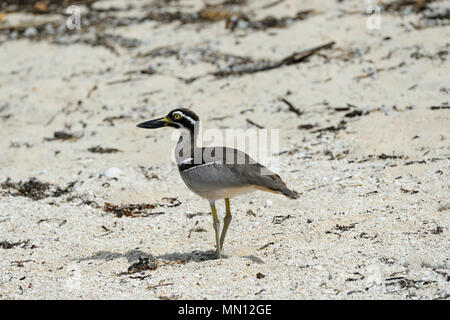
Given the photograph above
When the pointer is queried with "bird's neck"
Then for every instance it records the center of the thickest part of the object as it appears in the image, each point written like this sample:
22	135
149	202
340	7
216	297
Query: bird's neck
186	145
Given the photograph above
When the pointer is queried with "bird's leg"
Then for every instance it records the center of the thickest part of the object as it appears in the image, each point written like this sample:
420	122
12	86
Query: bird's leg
226	221
216	225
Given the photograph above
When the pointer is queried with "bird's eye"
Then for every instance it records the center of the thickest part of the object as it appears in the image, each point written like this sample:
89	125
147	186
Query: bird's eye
176	116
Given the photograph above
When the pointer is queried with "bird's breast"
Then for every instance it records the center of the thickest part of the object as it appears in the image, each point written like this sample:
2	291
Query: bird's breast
213	181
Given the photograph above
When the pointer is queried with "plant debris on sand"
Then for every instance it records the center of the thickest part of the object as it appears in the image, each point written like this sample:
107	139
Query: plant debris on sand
144	263
265	65
100	149
140	209
21	244
35	189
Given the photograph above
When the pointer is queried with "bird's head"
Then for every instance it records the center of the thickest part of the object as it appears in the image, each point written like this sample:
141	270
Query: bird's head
180	118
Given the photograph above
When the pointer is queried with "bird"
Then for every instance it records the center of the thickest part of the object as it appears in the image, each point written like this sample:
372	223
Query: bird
216	173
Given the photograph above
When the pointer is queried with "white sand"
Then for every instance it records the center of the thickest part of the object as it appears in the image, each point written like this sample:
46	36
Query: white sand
396	244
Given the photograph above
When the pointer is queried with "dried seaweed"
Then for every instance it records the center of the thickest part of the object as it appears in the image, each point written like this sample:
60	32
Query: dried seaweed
204	15
111	120
340	109
21	244
192	215
280	219
64	136
341	126
131	210
444	207
140	210
384	156
84	201
437	230
306	126
265	65
206	55
443	14
100	149
344	228
356	113
430	15
405	283
405	6
147	172
171	202
144	263
243	21
108	41
35	189
338	229
42	7
361	277
440	107
222	12
227	64
408	191
414	162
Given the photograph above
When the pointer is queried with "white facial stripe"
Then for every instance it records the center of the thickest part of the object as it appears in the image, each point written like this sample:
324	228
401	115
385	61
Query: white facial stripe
185	116
190	120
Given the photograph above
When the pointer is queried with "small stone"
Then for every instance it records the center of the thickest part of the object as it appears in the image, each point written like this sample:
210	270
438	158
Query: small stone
259	275
30	32
112	173
49	29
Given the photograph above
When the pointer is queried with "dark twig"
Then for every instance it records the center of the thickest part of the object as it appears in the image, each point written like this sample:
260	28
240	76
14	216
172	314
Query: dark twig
254	124
292	108
261	66
272	4
266	245
162	283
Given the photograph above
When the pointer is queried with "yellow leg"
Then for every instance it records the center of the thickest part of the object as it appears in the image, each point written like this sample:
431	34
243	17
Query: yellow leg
216	225
226	222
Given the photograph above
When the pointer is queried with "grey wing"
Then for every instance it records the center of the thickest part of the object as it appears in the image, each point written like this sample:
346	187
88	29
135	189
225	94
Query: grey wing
253	173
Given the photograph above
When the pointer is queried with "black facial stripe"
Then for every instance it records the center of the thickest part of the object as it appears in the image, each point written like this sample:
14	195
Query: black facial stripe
174	124
186	123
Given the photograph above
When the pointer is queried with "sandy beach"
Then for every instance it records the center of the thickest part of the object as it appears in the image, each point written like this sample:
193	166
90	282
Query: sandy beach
92	207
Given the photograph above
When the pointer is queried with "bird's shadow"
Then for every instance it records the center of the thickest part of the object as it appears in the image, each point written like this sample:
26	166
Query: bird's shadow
134	255
196	256
131	256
